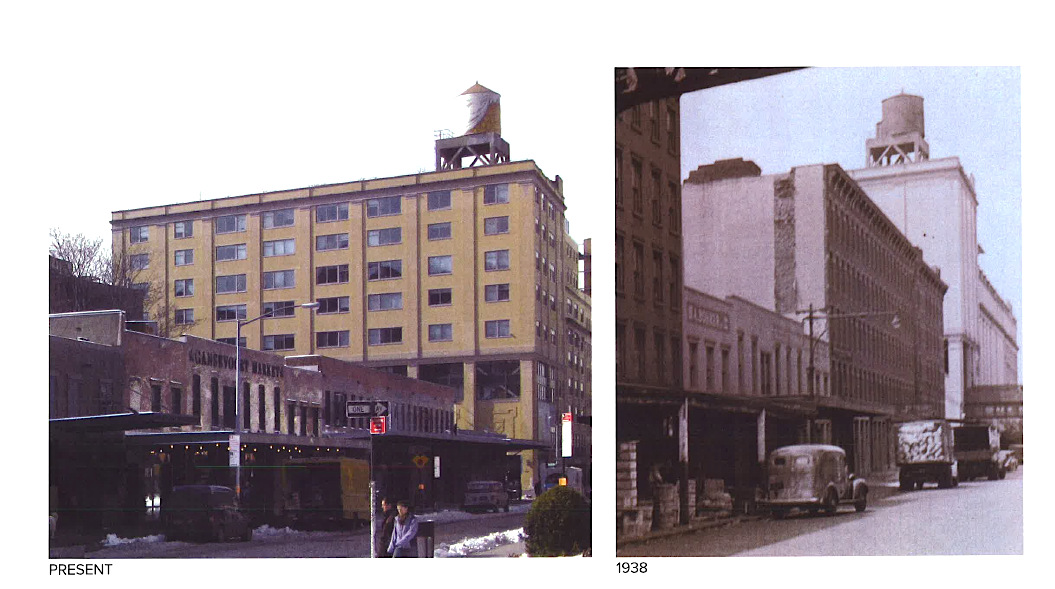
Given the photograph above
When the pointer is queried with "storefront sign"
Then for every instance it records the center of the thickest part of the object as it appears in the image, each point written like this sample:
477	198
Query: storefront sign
708	318
225	362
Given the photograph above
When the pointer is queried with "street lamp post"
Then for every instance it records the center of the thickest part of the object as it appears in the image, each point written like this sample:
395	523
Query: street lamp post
237	390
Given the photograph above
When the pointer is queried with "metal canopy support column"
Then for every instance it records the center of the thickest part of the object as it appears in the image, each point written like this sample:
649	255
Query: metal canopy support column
683	463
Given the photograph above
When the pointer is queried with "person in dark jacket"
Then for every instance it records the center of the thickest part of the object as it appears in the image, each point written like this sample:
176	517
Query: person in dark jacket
388	524
402	544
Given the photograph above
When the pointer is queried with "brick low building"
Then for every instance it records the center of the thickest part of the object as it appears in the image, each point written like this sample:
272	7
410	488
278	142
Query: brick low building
132	415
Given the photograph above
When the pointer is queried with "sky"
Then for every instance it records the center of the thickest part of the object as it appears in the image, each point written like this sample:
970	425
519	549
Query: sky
824	115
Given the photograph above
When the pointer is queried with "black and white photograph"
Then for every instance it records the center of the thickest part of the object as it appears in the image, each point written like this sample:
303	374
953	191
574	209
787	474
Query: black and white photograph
818	301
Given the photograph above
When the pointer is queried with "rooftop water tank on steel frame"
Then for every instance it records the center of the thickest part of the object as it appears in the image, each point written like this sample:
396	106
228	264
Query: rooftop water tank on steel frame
902	114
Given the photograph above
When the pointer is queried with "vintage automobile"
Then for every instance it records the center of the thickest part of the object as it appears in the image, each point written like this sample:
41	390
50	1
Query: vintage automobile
204	512
812	477
485	495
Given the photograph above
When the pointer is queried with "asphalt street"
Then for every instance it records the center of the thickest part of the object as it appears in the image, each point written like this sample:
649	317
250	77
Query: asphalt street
309	545
978	517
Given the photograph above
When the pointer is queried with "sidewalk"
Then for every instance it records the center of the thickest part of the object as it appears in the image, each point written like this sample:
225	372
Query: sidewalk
880	486
506	551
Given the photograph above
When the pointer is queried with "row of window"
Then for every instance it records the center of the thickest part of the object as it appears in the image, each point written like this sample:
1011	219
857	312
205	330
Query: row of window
375	207
439	332
384	270
330	305
493	260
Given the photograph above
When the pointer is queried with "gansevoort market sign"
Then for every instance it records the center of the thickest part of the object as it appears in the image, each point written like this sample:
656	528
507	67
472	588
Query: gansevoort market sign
224	361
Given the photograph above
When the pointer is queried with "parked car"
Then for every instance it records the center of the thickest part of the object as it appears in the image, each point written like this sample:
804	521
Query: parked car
1008	459
204	512
486	495
813	477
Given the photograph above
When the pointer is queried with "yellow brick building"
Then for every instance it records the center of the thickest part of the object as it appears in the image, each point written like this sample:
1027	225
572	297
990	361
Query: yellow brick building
455	276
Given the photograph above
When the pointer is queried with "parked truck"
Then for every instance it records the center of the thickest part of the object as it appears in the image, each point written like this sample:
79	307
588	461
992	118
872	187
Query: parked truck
926	454
326	492
977	446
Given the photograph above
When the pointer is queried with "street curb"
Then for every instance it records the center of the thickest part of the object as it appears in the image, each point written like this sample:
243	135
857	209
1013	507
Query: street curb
877	492
689	528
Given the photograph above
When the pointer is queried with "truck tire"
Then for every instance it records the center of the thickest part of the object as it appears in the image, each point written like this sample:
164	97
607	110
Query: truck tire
1003	473
777	513
919	484
906	483
993	474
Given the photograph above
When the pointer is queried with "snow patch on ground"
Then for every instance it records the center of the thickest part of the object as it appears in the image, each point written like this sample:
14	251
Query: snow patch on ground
472	545
455	515
114	540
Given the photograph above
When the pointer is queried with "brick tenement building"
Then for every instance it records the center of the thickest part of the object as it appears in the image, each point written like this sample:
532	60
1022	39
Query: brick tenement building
648	268
68	293
812	237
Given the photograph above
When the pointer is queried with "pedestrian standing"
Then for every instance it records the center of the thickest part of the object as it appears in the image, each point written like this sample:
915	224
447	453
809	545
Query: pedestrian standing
388	523
404	533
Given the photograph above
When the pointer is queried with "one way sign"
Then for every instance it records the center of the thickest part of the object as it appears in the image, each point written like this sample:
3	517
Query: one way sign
380	408
367	409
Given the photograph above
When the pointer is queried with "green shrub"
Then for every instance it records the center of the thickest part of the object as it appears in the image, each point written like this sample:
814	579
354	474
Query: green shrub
558	524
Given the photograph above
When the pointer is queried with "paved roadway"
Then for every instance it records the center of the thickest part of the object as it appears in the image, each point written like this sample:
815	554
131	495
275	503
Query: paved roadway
308	545
979	517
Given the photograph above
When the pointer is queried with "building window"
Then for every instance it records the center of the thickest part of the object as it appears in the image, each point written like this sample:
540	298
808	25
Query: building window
155	399
496	260
498	380
381	270
442	332
185	287
230	224
439	297
496	292
330	213
226	253
389	236
331	274
439	231
383	207
333	305
279	309
618	177
184	257
672	132
635	186
657	199
139	234
496	194
657	276
332	339
196	392
337	241
139	261
230	313
440	199
282	218
440	265
497	328
280	247
230	340
385	302
639	270
183	229
184	316
496	225
278	342
385	335
232	283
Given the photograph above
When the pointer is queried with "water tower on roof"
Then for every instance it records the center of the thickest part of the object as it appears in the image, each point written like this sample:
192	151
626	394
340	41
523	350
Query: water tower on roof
482	140
900	135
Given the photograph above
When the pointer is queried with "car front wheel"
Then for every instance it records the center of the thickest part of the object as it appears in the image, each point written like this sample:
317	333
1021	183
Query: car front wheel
861	503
